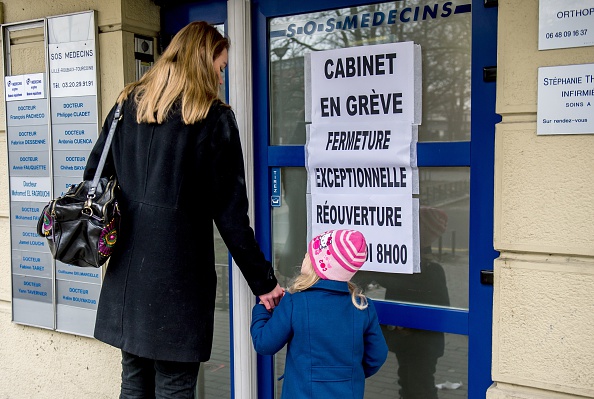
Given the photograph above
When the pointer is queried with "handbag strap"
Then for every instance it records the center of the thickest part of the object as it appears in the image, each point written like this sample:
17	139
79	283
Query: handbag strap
116	118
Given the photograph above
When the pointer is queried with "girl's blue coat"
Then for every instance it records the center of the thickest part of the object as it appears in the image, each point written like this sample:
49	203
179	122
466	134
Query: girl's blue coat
332	345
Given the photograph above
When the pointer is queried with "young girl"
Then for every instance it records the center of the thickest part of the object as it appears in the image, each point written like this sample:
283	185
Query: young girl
333	335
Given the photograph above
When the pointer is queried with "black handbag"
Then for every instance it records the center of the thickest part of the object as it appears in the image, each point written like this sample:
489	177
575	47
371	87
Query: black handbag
82	226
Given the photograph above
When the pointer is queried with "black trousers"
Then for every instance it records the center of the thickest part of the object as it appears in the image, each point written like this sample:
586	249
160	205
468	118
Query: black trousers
417	352
144	378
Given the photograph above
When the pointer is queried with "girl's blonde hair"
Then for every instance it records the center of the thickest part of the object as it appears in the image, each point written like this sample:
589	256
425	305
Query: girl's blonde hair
185	70
305	280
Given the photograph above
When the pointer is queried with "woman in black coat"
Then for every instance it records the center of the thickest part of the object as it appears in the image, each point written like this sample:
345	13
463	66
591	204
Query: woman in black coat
178	159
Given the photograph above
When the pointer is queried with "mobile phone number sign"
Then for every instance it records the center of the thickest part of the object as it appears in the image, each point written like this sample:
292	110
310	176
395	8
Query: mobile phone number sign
564	24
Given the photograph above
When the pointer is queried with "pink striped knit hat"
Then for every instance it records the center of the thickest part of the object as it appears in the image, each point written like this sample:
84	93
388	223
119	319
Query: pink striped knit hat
337	254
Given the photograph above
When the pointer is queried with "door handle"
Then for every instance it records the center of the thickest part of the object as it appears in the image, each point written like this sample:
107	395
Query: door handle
490	73
487	277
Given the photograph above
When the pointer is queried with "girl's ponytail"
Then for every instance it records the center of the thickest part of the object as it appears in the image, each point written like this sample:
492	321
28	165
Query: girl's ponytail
359	300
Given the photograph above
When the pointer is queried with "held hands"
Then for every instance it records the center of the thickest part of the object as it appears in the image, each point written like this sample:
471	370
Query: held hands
272	299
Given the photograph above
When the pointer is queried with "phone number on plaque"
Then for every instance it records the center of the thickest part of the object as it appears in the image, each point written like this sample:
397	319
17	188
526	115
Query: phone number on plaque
77	83
567	33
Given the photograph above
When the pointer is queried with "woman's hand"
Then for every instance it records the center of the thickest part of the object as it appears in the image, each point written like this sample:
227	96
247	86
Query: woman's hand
272	299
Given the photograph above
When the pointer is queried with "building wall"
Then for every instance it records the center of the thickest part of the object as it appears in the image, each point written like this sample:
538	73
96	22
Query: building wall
543	320
38	363
544	224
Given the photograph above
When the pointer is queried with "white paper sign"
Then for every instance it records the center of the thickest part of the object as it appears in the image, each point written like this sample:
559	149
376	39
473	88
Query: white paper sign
339	143
14	87
357	179
564	24
366	83
360	159
72	69
385	221
24	87
566	100
365	104
34	86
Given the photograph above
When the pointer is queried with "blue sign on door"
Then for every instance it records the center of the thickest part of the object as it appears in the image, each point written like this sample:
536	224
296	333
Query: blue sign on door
275	188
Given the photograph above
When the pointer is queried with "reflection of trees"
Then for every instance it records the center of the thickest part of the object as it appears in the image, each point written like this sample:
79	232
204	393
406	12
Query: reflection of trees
288	101
446	79
445	45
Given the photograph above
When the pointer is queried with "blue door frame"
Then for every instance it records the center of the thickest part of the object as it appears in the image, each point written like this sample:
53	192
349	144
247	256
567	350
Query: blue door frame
478	154
175	17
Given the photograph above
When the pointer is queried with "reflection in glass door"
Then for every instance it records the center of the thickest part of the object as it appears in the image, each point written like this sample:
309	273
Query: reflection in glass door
425	317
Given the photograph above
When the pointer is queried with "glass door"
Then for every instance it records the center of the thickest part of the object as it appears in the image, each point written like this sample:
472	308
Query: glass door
437	323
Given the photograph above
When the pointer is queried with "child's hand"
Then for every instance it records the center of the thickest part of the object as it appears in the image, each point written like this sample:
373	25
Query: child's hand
272	299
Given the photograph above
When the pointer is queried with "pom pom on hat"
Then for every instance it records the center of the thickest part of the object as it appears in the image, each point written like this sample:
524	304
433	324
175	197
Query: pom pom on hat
337	254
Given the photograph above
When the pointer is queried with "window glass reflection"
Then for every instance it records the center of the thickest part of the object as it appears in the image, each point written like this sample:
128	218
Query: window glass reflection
290	224
443	222
443	227
421	365
215	374
442	30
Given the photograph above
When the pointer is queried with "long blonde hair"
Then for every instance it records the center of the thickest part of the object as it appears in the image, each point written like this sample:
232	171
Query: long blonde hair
308	278
185	70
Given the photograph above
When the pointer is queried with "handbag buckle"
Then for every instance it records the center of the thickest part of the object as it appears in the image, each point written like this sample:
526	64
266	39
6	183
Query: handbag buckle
87	210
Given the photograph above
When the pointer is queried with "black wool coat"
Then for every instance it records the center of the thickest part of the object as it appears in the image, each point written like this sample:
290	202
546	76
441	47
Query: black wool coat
158	296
